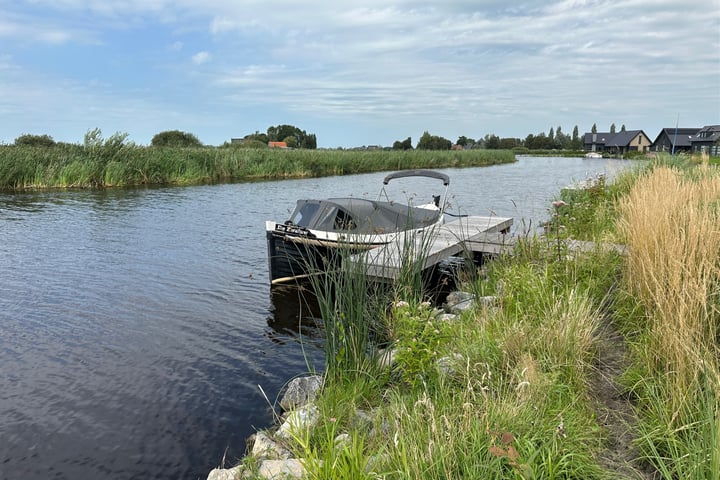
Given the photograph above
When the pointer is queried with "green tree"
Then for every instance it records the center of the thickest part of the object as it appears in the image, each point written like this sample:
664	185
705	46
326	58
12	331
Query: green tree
257	136
612	128
175	138
551	137
280	133
575	142
29	140
562	141
593	129
492	142
509	143
404	145
433	142
622	129
309	142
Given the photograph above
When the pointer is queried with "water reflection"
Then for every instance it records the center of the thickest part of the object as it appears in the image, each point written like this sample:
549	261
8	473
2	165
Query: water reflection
295	314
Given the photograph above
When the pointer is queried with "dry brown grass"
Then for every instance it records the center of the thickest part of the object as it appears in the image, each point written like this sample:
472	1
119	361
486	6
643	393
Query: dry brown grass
671	223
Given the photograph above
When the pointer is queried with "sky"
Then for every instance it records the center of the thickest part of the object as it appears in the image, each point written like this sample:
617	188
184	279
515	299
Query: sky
356	73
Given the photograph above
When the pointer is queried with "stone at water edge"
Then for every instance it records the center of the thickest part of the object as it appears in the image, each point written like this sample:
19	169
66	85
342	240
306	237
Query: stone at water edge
301	391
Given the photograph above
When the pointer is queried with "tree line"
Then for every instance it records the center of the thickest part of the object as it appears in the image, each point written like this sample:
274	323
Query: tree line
555	139
294	137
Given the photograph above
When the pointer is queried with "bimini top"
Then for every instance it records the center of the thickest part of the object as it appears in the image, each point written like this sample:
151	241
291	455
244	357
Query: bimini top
362	216
418	173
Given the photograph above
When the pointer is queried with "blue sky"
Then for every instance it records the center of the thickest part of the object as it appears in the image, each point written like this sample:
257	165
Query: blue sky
355	73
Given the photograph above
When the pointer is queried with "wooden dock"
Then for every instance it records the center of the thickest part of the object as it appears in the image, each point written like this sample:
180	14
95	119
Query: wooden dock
466	234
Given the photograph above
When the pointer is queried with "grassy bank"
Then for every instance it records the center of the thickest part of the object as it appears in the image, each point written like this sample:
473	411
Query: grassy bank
509	389
110	163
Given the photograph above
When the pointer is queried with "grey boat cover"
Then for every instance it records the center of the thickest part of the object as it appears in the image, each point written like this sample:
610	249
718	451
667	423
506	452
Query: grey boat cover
360	216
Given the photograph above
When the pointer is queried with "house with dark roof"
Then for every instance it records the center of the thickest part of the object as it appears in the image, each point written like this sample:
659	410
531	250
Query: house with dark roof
674	140
707	140
617	143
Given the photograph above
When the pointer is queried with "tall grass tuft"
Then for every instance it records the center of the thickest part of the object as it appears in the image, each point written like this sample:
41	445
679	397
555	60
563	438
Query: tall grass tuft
670	223
349	309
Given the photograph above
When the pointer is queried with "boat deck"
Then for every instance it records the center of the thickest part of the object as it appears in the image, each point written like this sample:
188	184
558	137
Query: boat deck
466	234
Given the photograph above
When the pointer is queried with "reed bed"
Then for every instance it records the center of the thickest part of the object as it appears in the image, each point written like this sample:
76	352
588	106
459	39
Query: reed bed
670	222
113	164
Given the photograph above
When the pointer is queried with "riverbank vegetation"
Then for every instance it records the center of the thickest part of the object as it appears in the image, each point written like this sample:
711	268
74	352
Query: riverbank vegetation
115	162
520	386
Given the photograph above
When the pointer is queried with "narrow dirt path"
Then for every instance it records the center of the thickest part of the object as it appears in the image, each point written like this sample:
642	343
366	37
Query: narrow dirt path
614	409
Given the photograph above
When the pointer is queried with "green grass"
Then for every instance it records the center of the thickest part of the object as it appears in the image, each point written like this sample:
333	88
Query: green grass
112	163
510	401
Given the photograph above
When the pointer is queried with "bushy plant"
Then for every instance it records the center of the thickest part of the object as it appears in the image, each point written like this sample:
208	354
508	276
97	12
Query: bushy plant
418	334
28	140
175	138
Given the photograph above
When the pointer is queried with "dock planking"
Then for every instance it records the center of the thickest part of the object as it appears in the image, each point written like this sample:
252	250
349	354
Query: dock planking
466	234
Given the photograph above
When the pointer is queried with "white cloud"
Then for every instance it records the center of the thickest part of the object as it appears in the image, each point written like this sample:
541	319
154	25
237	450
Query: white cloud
504	69
201	57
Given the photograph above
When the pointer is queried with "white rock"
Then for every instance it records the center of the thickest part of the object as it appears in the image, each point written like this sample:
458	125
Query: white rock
447	317
301	391
265	447
458	302
298	421
386	357
281	469
446	365
225	473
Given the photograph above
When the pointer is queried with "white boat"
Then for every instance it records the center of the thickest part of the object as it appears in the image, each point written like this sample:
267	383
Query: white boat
311	239
593	155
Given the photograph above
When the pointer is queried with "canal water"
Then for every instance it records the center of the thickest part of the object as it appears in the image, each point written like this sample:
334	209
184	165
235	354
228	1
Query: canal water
137	326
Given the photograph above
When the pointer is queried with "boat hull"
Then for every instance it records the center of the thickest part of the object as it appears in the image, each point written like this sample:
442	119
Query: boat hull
293	256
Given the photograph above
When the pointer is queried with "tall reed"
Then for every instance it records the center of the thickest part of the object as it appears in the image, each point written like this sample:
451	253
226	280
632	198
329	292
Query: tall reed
670	222
111	162
349	309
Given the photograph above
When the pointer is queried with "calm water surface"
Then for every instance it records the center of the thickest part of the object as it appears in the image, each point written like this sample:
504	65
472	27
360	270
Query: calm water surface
136	325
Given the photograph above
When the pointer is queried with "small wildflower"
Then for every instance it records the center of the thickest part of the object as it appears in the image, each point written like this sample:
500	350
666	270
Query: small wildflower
558	203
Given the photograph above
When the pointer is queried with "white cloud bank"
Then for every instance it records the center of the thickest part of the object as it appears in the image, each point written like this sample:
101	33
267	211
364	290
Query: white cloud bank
376	73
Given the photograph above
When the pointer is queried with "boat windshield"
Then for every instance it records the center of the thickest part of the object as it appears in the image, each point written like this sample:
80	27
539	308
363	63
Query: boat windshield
304	214
334	218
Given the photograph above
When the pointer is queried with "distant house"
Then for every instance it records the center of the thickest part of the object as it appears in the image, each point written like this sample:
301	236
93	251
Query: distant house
706	140
617	143
277	145
679	138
